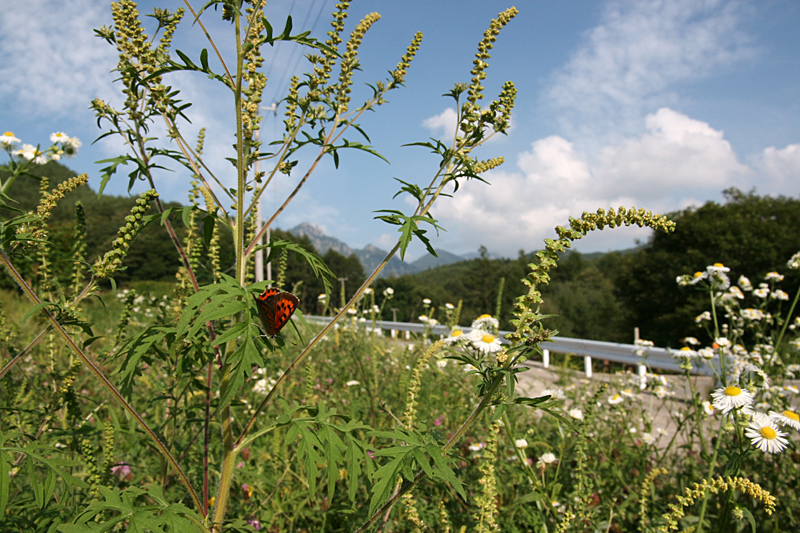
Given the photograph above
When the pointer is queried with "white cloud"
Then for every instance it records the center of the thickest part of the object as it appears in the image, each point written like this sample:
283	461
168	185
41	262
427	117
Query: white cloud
675	162
630	63
443	125
676	154
52	62
778	170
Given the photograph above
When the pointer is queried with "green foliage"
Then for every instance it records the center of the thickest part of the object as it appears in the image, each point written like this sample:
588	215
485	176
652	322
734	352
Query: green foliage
750	234
238	437
126	507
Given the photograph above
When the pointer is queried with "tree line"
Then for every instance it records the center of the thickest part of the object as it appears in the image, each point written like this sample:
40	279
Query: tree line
598	296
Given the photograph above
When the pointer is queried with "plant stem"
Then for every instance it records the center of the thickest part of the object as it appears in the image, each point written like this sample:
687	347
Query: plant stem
409	484
98	373
708	477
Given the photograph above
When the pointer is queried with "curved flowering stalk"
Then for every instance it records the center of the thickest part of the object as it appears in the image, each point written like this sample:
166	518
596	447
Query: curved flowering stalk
528	322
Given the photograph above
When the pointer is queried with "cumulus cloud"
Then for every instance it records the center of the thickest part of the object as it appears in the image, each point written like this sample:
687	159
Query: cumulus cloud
676	162
778	170
443	125
52	62
675	154
631	62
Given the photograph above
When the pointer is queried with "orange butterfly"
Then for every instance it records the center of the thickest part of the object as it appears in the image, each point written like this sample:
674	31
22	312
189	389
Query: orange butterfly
275	308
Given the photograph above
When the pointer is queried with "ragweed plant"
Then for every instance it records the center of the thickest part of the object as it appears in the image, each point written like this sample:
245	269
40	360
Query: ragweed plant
207	379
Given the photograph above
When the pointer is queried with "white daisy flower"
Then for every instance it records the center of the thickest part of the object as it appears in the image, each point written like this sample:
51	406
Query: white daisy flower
745	284
353	383
708	409
485	322
779	295
752	314
786	418
614	400
521	444
477	447
555	394
702	317
456	334
736	292
648	438
793	263
773	276
546	459
717	267
577	414
8	139
731	397
706	353
765	435
761	292
487	343
59	137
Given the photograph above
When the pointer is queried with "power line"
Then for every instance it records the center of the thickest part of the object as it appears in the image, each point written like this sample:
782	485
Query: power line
293	59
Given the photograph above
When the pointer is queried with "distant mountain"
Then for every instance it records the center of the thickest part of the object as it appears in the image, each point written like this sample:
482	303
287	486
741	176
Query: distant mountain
370	256
321	242
476	255
427	261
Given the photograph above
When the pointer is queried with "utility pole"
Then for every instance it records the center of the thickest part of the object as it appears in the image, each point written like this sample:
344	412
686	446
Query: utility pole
259	265
344	301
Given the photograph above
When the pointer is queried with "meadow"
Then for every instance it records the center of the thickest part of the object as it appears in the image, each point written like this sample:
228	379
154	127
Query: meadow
209	404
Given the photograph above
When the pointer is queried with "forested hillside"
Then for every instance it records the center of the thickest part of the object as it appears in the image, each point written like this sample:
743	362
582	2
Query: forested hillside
602	297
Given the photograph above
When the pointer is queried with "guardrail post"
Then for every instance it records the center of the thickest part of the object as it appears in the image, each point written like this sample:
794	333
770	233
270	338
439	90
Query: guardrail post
408	335
545	358
587	365
393	333
642	370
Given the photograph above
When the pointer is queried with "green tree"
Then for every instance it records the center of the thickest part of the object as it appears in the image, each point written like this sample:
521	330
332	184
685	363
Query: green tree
750	234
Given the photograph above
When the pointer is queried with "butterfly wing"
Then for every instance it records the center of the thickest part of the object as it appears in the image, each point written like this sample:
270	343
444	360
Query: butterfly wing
266	310
285	304
275	308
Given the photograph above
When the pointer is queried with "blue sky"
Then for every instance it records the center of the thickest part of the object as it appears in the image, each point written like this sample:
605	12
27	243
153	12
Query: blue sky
655	103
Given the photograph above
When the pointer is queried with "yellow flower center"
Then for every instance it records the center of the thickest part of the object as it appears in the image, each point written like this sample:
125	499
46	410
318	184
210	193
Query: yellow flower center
488	339
719	265
484	316
698	274
686	349
732	391
768	433
456	333
791	415
8	134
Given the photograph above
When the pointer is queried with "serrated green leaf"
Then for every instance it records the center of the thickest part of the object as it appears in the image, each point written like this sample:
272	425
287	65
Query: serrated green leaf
385	479
231	333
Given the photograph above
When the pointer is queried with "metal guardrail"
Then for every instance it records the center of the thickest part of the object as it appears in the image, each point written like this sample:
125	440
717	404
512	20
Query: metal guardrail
629	354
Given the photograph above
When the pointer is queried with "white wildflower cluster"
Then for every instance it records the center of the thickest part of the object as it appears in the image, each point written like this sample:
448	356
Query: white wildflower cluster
745	351
262	383
766	430
63	146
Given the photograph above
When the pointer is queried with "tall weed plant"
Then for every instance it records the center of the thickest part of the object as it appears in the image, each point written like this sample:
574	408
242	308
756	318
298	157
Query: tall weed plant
185	417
